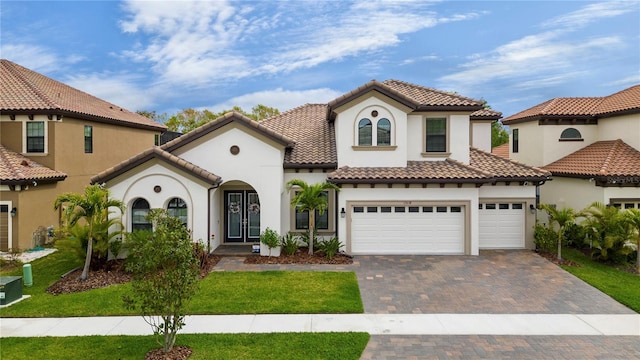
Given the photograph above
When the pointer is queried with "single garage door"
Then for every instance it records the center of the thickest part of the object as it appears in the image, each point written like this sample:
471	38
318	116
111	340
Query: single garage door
399	229
501	225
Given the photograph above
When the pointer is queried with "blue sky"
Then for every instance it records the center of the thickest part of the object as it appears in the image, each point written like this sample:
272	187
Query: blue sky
170	55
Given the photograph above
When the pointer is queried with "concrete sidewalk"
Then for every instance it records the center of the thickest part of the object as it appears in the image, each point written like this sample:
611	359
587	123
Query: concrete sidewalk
374	324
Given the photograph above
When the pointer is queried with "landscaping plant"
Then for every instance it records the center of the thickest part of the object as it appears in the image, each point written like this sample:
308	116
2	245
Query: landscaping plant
545	238
609	232
330	247
270	238
309	198
632	216
289	243
563	218
92	209
165	275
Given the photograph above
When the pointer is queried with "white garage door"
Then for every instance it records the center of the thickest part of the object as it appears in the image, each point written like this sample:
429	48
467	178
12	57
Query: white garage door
501	225
407	229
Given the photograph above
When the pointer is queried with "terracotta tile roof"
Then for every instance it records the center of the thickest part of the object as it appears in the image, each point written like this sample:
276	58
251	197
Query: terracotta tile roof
610	161
314	136
501	150
227	118
625	101
485	114
23	91
505	169
16	169
157	153
416	97
483	168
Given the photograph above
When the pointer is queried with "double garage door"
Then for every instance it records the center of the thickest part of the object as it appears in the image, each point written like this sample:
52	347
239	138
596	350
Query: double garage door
433	229
400	229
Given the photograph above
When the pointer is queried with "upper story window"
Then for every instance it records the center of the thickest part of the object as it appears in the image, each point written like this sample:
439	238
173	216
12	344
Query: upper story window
178	208
35	137
571	134
364	132
436	135
515	139
88	139
139	212
384	132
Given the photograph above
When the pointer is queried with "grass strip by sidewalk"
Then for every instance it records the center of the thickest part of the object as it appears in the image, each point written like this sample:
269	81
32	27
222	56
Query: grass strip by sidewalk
620	285
338	346
292	292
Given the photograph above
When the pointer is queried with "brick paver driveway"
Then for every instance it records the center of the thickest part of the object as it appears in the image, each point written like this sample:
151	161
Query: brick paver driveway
496	282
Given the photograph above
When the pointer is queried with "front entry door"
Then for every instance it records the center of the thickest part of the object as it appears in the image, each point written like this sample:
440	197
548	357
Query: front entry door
242	216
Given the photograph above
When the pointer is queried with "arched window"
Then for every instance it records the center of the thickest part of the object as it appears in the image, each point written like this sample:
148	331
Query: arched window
364	132
384	132
178	208
570	133
139	212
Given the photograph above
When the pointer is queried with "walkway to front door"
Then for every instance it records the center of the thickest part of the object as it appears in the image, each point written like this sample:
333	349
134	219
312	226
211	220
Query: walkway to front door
242	216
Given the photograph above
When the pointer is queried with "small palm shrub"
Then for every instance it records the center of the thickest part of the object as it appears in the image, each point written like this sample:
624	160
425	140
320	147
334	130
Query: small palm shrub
289	243
545	238
270	238
330	247
575	236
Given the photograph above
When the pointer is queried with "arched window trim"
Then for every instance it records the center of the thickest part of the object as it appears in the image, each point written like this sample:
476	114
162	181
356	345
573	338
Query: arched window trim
571	134
379	127
365	135
177	207
138	215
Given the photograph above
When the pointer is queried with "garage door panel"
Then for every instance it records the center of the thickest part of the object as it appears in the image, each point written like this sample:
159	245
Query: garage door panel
502	225
407	230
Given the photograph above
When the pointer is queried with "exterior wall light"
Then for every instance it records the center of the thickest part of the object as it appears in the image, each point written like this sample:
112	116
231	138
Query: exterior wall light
532	209
343	214
14	211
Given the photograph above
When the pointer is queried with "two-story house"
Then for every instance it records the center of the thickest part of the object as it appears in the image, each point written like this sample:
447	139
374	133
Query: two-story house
413	165
590	145
53	139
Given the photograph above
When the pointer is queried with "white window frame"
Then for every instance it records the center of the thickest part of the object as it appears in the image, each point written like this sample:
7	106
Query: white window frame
24	138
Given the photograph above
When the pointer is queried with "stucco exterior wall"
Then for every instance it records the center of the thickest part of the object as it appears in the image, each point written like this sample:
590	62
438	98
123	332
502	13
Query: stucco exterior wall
554	149
570	192
626	128
530	136
481	135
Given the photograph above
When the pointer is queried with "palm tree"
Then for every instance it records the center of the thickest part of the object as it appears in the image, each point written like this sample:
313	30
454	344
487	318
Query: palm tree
563	218
632	216
309	198
92	207
608	230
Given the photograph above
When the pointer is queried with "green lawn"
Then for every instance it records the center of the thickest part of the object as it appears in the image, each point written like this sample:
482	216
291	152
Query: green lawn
220	292
205	346
620	285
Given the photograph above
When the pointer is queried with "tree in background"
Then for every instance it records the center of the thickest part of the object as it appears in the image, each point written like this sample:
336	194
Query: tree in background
92	207
165	275
153	115
189	119
499	134
309	198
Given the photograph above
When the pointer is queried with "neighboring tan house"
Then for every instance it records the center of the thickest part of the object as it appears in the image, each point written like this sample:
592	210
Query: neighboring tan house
413	165
54	138
590	145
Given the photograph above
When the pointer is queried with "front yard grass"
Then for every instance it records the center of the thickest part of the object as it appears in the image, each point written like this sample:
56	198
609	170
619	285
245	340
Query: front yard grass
345	346
267	292
624	287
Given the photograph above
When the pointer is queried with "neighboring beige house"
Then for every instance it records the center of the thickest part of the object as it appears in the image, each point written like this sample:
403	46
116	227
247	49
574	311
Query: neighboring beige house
413	164
53	139
590	145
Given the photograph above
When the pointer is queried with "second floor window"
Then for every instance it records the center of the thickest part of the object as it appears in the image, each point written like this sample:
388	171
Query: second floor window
436	137
364	132
35	137
515	145
384	132
88	139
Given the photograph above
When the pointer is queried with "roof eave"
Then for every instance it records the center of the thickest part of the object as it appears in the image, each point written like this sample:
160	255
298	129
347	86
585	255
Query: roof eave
82	116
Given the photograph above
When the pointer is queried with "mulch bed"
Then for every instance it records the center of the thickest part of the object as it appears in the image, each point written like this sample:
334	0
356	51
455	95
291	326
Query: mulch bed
177	353
300	257
553	257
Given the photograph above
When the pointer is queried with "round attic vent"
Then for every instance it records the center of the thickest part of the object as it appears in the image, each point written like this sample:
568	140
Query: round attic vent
234	150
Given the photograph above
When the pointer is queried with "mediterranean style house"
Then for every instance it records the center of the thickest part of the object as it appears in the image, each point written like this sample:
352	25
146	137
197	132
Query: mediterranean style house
590	145
53	139
413	165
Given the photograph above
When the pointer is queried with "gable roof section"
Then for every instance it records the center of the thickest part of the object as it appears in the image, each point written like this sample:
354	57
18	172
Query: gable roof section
483	168
622	102
228	118
16	169
610	162
502	150
314	136
418	98
162	155
23	91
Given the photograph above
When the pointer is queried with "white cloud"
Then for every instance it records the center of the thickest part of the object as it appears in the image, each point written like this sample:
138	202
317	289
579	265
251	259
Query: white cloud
626	81
592	13
121	90
279	98
419	59
36	58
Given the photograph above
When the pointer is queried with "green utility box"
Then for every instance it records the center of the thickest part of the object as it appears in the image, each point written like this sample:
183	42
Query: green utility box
10	289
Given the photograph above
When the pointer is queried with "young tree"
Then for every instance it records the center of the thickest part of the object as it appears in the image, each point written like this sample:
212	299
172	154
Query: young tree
499	135
309	198
93	208
165	275
563	218
632	216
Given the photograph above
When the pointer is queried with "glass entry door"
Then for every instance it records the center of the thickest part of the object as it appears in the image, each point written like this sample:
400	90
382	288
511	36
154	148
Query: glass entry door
242	216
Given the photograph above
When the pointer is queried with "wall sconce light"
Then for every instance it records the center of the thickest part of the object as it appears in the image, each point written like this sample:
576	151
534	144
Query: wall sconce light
343	214
14	211
532	209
